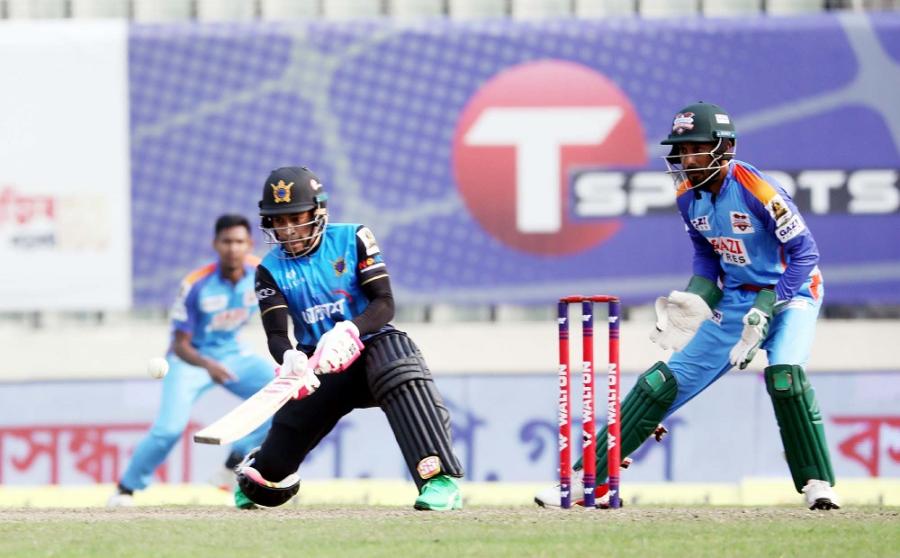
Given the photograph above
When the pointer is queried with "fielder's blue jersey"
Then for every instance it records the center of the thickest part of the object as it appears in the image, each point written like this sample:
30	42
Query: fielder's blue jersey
325	287
751	234
212	309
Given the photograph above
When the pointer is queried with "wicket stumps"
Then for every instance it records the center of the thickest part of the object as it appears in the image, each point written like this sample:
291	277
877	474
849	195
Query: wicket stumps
613	448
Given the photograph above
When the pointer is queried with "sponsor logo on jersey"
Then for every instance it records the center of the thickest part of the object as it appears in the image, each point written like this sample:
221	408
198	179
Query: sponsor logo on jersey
324	311
741	223
265	293
213	303
701	223
717	317
282	192
228	320
790	229
368	240
732	250
520	139
683	122
779	210
372	262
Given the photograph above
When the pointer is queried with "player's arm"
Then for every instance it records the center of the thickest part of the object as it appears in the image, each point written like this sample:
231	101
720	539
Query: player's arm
184	314
375	283
274	311
776	210
800	250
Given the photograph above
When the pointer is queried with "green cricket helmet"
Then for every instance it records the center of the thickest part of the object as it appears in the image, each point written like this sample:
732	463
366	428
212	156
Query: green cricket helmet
705	123
701	123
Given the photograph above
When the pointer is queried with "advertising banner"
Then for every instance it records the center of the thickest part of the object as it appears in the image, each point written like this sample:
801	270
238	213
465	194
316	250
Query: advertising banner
65	233
505	161
504	429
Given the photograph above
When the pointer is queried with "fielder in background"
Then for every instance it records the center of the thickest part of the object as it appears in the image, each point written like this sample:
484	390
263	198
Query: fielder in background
749	238
331	281
214	303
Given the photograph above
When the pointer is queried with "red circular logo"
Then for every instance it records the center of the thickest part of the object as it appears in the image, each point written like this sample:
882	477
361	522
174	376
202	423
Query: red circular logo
520	136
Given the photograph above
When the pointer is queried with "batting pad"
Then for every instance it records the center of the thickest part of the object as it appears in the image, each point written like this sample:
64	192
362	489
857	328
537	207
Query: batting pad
404	388
642	410
800	423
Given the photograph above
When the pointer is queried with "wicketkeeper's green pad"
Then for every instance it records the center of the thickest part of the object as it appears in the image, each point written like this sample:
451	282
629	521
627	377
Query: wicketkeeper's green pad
642	410
800	422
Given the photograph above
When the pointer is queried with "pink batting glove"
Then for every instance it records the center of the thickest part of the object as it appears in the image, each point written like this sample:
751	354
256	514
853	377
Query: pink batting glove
338	348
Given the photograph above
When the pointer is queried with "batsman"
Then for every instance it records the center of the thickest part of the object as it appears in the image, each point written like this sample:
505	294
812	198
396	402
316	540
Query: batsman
331	281
755	285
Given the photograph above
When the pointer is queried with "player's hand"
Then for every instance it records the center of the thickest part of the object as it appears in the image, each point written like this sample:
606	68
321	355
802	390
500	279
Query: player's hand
293	363
219	373
296	364
678	317
338	348
756	327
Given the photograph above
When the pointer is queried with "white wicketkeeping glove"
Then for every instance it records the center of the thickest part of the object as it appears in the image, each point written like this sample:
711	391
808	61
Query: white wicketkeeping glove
296	363
756	327
678	317
338	348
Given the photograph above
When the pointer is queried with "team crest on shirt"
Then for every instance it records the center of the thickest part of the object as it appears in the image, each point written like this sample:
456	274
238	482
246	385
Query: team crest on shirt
779	210
340	266
683	122
282	192
740	223
701	223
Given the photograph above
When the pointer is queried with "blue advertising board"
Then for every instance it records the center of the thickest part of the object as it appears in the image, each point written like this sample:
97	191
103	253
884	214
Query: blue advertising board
511	162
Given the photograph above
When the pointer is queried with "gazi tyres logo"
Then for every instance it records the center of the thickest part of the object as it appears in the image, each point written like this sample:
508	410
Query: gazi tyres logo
519	138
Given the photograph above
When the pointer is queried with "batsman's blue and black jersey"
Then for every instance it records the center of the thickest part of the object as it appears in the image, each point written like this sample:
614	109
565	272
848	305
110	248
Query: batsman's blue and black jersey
324	287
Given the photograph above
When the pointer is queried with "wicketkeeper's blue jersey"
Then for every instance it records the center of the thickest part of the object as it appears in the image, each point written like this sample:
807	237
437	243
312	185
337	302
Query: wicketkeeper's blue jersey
751	234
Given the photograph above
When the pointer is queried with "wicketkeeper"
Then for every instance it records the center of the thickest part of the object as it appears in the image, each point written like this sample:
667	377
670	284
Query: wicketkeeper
330	279
756	285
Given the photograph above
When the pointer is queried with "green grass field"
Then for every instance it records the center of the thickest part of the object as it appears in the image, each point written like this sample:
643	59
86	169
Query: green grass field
197	532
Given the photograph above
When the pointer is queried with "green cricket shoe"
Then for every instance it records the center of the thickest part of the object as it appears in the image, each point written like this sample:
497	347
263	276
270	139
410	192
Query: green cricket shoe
439	494
241	501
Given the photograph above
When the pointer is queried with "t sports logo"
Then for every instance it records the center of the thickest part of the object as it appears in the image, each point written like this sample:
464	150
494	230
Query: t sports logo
520	137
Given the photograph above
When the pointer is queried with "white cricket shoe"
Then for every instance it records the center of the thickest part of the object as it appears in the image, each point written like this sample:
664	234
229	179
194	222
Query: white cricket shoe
120	500
550	497
820	495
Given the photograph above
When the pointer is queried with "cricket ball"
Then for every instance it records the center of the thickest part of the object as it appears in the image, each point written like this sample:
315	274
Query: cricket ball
157	367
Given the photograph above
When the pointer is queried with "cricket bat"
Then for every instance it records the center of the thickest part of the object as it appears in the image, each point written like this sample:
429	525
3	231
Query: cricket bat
246	417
